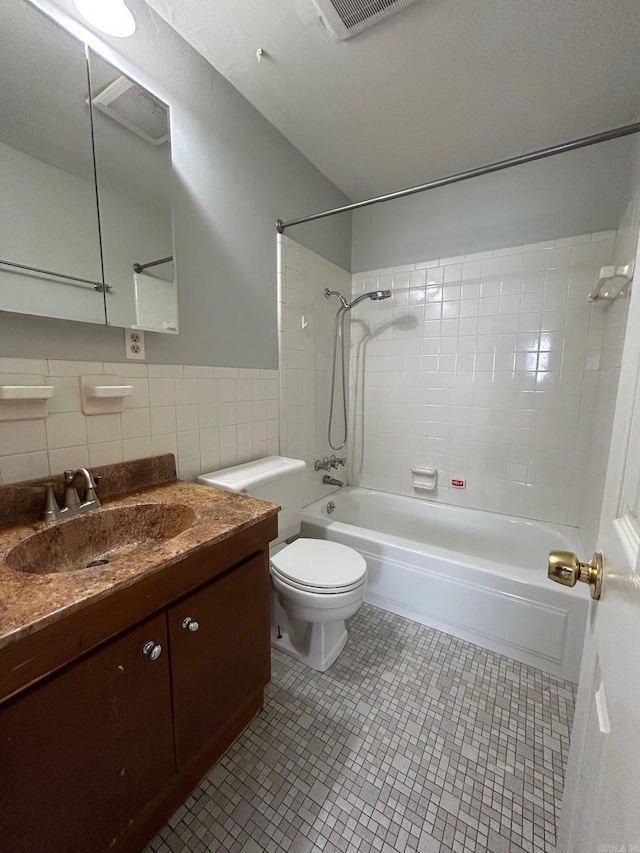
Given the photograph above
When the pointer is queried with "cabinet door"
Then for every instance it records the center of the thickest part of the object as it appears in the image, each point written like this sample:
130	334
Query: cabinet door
215	668
82	754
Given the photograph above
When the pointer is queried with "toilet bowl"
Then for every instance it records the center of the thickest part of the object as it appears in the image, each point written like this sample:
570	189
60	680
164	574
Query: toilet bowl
316	584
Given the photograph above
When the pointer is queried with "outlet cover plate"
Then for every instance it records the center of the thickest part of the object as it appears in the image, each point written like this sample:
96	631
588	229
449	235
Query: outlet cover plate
134	344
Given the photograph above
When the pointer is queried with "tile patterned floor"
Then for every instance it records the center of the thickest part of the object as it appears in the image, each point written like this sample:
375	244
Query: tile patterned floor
413	741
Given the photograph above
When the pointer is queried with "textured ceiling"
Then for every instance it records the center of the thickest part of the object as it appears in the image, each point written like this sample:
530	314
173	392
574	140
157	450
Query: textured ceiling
445	85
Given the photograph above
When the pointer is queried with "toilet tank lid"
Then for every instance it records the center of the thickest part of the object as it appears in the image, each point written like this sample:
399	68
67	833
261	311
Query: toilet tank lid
250	475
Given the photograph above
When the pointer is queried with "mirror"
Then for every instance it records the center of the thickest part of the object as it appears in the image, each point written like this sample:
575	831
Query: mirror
48	212
85	163
133	168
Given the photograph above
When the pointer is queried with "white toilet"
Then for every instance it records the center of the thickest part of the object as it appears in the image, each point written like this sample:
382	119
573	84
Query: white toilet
316	584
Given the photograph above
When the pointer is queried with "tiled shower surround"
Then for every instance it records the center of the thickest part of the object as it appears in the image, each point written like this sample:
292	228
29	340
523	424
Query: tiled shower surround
207	416
305	328
601	383
481	366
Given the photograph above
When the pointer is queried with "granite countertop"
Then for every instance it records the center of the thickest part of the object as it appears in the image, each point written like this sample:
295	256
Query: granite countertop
29	601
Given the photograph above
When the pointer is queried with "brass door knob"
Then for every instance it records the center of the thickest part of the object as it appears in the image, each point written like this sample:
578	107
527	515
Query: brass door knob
566	568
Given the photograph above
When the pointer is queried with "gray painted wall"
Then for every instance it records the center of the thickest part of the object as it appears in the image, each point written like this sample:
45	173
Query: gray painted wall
574	193
235	175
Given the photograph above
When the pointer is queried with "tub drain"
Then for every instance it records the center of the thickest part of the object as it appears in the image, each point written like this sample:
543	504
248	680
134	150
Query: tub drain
100	562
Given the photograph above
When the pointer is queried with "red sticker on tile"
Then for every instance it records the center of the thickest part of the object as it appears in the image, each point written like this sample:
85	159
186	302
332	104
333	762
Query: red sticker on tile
458	484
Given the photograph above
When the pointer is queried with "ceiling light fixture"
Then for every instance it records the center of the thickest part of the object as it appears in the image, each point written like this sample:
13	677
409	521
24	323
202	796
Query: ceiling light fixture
112	17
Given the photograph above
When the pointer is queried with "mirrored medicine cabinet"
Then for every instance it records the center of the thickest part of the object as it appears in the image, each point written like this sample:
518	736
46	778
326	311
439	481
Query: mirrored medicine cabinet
86	228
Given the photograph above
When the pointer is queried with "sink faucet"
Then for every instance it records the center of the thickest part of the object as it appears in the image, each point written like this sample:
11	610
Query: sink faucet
71	499
72	503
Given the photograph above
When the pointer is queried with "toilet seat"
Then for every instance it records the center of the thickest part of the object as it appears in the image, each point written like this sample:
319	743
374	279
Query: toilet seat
318	566
317	590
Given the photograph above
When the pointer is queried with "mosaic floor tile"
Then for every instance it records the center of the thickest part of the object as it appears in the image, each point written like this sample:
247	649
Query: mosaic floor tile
413	741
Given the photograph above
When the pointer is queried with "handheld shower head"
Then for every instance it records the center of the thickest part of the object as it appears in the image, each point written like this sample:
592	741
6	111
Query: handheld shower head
338	339
373	295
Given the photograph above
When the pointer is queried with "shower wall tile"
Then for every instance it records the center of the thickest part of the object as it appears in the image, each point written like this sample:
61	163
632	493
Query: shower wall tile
605	345
494	369
306	329
191	411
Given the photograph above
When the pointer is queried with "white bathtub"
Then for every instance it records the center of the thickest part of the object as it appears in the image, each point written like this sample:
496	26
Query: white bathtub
477	575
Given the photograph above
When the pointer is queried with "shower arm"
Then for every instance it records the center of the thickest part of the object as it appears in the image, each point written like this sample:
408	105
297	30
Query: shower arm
373	295
328	293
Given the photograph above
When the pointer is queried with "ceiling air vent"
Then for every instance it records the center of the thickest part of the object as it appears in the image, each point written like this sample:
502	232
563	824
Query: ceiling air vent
347	18
135	108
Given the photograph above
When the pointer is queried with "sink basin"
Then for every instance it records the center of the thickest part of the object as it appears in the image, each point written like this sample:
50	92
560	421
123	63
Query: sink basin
99	538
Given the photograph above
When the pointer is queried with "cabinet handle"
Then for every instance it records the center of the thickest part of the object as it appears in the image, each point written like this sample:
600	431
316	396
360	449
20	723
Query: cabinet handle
190	624
153	650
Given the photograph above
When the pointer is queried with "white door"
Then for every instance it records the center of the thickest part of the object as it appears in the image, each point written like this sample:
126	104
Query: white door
601	804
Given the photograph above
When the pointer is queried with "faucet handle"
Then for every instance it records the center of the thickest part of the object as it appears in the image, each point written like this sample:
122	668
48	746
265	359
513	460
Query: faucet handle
51	508
90	491
71	499
90	483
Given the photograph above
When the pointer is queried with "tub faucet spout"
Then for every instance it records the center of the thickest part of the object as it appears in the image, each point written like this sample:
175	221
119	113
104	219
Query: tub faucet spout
331	481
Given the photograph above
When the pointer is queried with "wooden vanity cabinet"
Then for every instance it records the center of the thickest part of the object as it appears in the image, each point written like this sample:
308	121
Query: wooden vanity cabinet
80	753
217	666
99	755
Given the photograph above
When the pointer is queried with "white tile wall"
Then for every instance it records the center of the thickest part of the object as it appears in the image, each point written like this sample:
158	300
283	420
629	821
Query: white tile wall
155	302
305	329
608	326
208	417
478	366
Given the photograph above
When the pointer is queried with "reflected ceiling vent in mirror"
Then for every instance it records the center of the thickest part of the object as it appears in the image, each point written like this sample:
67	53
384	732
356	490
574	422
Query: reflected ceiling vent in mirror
134	108
346	18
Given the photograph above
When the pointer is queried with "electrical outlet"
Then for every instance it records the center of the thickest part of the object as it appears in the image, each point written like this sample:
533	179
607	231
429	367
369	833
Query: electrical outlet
134	344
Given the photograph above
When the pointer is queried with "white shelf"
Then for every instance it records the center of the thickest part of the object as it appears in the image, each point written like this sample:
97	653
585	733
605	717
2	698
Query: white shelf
26	392
104	395
110	391
24	396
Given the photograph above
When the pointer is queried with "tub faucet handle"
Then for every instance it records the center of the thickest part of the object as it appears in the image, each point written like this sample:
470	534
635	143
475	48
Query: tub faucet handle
337	460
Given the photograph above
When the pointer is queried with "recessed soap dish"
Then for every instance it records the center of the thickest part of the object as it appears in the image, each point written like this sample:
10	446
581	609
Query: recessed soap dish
425	479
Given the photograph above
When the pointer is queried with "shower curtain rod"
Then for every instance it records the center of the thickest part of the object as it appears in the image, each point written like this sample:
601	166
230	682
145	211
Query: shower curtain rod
583	142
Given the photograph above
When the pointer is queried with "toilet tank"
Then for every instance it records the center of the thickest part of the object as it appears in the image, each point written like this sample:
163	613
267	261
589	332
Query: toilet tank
275	478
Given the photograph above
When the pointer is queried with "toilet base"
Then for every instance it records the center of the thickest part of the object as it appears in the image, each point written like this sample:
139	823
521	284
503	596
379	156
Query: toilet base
316	644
